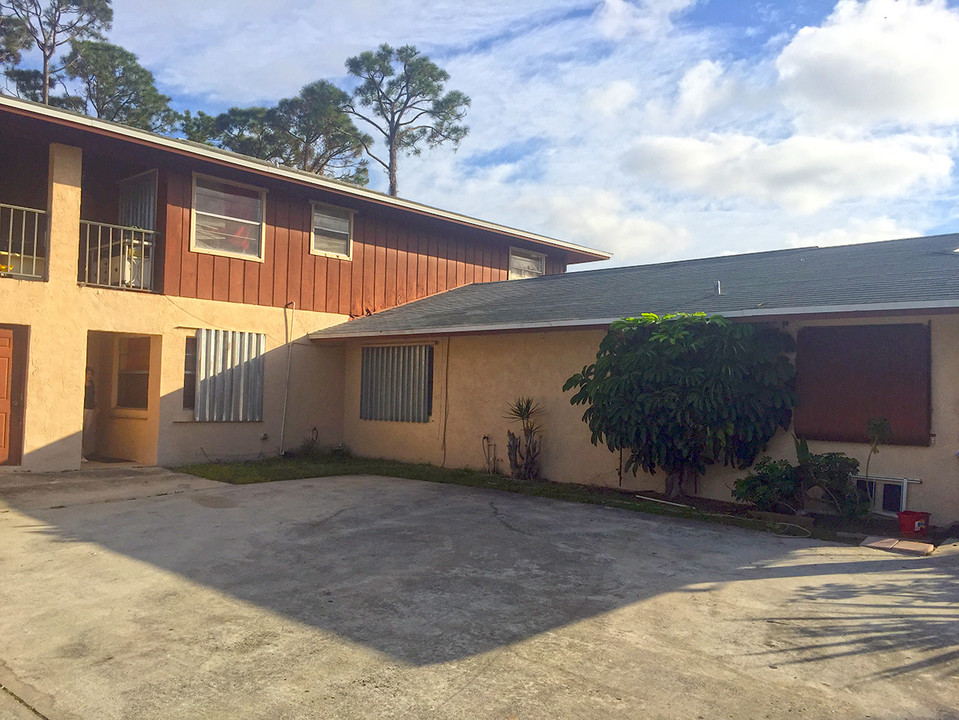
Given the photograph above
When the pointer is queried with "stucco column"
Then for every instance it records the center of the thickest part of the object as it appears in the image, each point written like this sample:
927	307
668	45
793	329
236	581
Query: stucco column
63	213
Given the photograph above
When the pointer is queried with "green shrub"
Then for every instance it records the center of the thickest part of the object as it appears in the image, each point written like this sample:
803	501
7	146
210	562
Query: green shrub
772	485
832	474
777	485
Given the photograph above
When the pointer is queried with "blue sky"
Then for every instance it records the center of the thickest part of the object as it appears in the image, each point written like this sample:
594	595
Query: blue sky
657	130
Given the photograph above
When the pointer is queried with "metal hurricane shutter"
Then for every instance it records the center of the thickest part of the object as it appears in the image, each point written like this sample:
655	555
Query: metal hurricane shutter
396	383
229	376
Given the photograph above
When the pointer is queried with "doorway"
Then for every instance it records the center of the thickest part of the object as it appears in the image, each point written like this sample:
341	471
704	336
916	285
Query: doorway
125	369
13	380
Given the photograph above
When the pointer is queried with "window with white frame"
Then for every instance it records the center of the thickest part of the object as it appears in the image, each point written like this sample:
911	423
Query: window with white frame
396	383
332	231
228	370
525	264
227	218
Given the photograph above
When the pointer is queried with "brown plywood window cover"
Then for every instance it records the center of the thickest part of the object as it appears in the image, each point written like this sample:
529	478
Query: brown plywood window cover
848	374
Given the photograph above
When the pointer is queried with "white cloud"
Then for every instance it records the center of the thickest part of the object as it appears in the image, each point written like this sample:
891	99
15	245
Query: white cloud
600	219
701	89
238	52
618	19
875	62
611	99
856	231
803	174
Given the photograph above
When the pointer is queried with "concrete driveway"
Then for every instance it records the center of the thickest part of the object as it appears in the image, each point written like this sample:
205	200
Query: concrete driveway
155	595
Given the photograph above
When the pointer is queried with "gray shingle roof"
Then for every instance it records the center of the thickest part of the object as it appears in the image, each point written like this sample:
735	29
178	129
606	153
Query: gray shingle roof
898	274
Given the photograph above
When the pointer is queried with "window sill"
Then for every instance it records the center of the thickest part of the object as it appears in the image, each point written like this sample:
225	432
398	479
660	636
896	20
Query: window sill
129	413
335	256
191	421
224	254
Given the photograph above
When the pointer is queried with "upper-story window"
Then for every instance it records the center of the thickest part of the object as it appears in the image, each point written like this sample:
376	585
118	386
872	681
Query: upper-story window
525	264
332	231
227	218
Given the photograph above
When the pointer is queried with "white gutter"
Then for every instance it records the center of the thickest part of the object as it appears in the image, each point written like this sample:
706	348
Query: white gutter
263	167
605	322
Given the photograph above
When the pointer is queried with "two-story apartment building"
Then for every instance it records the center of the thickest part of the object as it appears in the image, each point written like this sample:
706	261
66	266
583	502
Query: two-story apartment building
208	294
187	279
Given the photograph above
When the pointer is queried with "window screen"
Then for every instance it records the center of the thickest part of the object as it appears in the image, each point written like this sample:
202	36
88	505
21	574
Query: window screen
332	230
133	372
228	218
189	374
525	264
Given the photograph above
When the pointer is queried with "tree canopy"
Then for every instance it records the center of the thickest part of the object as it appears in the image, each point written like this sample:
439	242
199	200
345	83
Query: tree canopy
114	86
400	93
309	132
57	23
682	392
401	96
13	37
319	136
248	131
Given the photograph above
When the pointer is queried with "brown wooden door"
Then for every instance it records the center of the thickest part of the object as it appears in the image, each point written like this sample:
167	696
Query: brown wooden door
6	393
13	349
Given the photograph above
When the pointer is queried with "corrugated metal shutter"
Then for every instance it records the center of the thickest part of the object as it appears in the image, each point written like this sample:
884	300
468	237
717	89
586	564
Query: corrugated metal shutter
397	383
229	376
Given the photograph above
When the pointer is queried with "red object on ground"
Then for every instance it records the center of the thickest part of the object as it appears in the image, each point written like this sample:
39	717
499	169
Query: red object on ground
913	524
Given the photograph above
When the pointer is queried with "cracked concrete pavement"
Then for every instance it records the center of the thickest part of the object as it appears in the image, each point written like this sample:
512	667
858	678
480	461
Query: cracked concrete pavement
144	593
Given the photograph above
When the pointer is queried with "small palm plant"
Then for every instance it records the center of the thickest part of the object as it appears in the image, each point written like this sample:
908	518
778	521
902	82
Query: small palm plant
523	451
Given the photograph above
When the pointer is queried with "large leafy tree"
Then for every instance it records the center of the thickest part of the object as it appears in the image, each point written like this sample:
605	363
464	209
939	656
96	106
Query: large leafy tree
401	95
57	23
682	392
114	86
319	136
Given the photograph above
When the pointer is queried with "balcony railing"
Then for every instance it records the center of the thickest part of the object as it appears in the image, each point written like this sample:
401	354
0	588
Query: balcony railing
23	242
116	256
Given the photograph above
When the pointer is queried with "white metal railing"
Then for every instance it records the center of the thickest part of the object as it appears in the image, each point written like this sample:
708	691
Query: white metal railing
23	242
116	256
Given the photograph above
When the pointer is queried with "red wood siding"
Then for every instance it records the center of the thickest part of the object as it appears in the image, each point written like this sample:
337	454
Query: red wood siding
395	259
23	172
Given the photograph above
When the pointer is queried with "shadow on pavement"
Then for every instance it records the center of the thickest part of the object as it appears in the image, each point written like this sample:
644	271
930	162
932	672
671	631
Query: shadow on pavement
433	573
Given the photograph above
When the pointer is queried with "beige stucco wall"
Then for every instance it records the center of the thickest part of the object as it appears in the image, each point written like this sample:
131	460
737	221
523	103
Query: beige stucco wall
485	372
61	314
937	466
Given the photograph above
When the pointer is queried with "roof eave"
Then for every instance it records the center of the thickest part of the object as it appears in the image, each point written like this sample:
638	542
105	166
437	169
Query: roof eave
587	323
